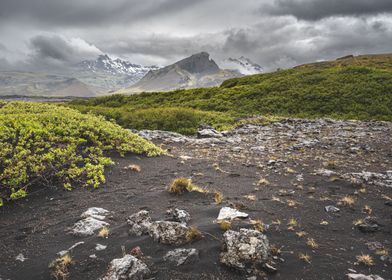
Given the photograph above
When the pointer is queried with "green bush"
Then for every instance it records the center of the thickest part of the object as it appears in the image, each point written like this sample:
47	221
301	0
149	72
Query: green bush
44	144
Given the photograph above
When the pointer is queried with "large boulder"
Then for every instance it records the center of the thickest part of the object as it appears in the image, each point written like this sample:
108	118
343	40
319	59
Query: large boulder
167	232
140	223
243	248
127	268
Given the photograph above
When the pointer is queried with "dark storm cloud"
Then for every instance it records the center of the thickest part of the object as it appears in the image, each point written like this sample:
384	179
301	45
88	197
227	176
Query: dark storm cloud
45	34
88	12
318	9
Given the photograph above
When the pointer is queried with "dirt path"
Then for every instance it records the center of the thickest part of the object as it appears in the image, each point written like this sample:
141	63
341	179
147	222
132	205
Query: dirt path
285	171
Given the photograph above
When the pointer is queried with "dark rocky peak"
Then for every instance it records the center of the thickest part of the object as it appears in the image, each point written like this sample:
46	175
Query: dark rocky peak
198	63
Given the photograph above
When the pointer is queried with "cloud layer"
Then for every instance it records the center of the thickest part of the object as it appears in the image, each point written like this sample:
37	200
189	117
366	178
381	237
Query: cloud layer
47	34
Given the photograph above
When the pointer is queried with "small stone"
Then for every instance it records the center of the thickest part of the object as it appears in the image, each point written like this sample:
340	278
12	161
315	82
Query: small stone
96	213
228	213
93	256
100	247
182	256
127	267
208	133
137	252
65	252
20	257
331	209
369	225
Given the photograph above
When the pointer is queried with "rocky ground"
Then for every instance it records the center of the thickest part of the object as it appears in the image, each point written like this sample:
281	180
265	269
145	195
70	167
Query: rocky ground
303	200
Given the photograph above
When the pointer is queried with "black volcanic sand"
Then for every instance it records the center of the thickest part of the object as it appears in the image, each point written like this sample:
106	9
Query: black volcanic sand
36	226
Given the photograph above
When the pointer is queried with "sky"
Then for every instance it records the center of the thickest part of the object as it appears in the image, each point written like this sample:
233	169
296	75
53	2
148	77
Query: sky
51	34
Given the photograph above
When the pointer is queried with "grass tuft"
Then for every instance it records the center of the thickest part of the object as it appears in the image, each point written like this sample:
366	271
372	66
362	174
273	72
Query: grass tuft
365	260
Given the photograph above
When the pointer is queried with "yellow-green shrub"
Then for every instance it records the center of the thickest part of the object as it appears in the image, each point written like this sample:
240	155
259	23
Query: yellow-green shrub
45	144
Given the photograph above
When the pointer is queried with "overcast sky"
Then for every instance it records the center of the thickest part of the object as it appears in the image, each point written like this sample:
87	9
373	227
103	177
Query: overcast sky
41	34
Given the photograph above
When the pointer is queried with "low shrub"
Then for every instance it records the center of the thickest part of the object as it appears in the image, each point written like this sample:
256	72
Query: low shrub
46	144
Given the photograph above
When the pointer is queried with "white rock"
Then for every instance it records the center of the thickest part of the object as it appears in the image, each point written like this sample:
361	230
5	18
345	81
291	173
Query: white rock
181	256
353	276
244	247
20	257
88	226
96	213
227	213
100	247
127	268
64	252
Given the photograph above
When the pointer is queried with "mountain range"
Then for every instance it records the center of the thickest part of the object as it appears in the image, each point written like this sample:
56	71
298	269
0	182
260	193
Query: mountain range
106	75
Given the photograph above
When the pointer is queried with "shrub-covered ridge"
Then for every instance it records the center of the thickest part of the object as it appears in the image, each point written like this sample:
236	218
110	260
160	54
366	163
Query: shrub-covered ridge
46	144
355	88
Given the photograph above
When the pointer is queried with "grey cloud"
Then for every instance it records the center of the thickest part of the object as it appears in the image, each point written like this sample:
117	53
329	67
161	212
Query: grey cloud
88	12
48	51
289	43
318	9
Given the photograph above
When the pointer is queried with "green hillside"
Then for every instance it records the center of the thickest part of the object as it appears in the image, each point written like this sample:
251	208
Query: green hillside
350	88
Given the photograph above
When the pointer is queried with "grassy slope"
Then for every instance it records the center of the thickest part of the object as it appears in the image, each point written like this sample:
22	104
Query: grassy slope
353	88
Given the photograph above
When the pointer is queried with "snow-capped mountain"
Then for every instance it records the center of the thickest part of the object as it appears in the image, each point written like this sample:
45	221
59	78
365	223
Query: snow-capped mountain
106	74
243	65
115	66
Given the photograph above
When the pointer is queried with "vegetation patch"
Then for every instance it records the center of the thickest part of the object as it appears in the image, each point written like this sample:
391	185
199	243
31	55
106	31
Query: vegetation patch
43	144
358	88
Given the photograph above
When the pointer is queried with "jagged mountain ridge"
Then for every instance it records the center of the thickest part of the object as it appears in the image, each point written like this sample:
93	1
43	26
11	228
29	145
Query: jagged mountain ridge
108	74
198	70
243	65
115	66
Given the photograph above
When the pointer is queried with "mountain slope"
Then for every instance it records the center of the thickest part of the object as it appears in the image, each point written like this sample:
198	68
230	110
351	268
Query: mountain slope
42	84
197	70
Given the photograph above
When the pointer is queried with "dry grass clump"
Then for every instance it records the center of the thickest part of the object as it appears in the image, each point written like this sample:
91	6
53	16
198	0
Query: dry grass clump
218	197
292	222
367	210
312	243
263	182
347	201
365	260
358	222
304	257
133	167
193	234
60	267
301	233
382	252
181	185
104	232
258	225
224	225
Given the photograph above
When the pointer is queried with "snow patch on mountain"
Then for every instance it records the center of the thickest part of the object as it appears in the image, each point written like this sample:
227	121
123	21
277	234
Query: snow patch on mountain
115	66
242	65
